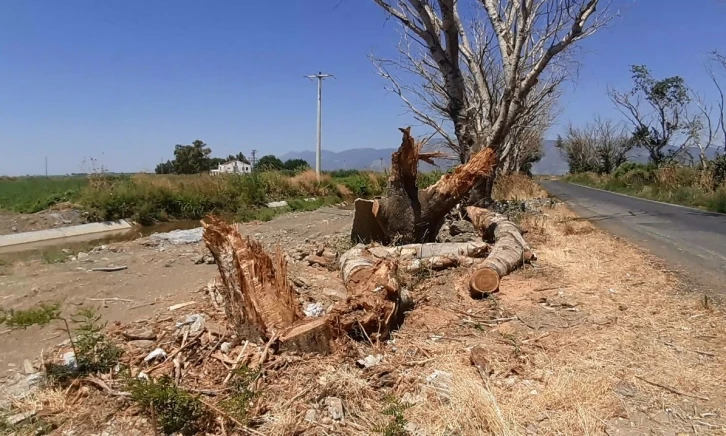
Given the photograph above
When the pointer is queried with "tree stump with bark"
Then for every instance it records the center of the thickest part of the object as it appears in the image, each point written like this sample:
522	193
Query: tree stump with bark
508	253
408	214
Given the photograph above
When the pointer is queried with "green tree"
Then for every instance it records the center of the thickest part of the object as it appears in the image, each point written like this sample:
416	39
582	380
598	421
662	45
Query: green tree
296	164
192	159
165	167
269	162
657	110
239	156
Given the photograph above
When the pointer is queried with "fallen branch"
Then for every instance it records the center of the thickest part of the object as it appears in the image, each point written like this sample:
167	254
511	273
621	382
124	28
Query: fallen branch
104	300
672	390
236	362
109	269
240	425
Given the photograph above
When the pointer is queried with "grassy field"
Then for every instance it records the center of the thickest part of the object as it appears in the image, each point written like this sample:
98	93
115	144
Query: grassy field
149	198
33	194
686	186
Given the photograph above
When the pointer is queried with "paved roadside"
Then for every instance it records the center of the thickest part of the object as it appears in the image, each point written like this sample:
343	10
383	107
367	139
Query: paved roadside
690	240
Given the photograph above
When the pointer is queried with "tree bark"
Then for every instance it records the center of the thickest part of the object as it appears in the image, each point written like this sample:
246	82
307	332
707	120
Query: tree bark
408	214
258	300
376	302
509	252
260	303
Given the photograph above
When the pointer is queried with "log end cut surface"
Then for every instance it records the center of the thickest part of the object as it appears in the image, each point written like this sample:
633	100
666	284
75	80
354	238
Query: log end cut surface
483	281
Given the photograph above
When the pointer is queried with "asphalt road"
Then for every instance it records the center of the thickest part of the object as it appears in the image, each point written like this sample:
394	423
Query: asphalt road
690	240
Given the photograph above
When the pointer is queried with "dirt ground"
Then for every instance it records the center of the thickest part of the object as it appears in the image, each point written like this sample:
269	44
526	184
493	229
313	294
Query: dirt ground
597	337
59	216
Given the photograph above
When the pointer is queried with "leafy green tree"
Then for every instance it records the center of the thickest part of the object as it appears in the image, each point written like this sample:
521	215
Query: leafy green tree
239	156
296	164
657	110
192	159
165	168
269	162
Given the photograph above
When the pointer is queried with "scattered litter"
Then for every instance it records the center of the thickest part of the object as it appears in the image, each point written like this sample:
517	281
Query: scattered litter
181	305
370	360
277	204
310	415
158	353
226	347
81	255
335	407
440	381
178	237
314	310
69	360
191	325
142	376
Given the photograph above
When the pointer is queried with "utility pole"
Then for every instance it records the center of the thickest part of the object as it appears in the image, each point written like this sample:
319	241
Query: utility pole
318	151
46	166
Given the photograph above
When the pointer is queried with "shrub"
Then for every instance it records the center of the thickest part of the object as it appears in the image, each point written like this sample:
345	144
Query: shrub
176	410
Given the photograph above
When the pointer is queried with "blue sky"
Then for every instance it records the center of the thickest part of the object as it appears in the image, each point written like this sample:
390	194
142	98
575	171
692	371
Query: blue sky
123	81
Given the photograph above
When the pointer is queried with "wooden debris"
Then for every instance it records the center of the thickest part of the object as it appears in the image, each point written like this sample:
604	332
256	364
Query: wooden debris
109	269
181	305
258	298
509	251
408	214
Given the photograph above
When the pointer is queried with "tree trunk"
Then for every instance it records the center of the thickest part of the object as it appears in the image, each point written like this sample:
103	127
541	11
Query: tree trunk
258	299
261	305
408	214
509	252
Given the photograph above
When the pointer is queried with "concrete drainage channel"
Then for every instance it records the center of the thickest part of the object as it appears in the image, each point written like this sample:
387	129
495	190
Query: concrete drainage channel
106	232
26	241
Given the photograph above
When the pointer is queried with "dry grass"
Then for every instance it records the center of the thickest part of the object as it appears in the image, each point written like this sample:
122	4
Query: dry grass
517	187
599	317
576	344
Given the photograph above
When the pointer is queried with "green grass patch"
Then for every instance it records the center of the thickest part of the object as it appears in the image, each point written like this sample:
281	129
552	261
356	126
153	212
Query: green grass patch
36	193
24	318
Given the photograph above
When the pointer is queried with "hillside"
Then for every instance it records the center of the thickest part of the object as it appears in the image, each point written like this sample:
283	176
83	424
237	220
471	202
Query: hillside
377	159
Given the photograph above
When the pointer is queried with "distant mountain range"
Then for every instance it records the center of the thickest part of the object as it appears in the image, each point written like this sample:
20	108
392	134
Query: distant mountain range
377	159
374	159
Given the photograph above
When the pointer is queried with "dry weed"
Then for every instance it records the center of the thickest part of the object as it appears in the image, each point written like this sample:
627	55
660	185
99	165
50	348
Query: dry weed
517	187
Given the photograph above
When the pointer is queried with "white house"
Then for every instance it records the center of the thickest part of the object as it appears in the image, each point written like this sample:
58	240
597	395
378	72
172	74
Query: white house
233	167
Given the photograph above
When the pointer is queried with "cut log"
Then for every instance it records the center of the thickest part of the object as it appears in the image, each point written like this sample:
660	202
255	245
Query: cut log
407	214
509	251
258	299
376	302
432	249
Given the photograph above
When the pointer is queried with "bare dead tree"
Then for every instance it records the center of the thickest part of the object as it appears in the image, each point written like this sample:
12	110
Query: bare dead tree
600	146
474	80
716	68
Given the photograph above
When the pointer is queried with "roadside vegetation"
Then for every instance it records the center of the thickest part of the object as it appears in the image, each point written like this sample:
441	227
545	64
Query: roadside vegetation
679	134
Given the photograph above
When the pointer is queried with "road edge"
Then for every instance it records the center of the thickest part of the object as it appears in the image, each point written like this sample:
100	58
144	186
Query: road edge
695	209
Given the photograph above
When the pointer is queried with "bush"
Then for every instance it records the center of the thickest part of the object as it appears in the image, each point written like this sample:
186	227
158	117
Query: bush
718	170
176	410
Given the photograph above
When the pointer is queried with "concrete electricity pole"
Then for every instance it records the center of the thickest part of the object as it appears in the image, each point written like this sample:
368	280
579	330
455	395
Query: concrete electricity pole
318	151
